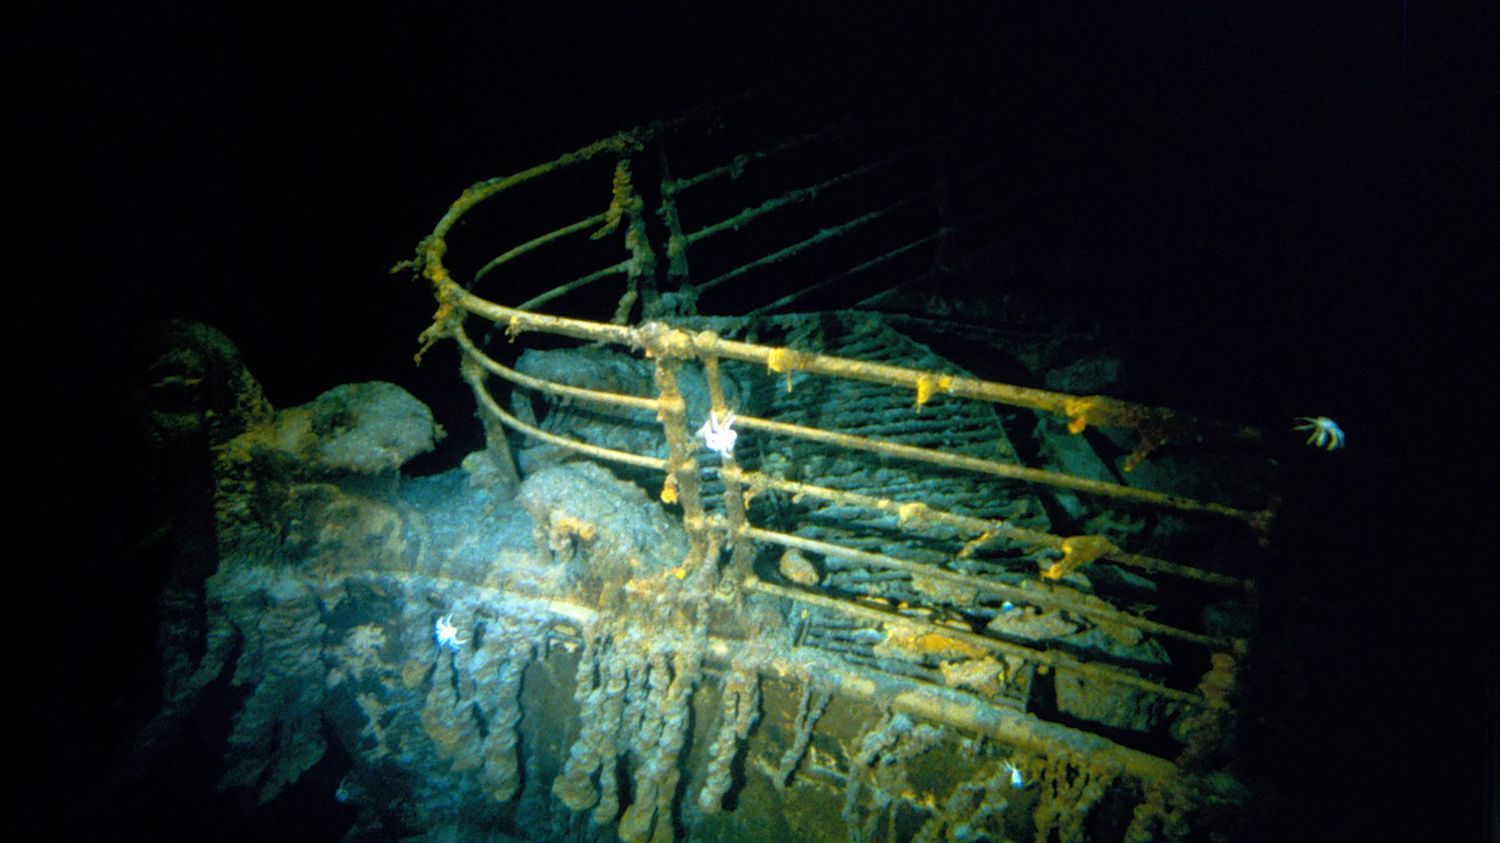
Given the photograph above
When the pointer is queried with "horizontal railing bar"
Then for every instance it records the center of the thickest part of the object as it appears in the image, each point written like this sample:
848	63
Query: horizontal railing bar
1043	598
488	402
634	402
564	289
516	320
853	270
677	186
786	360
574	228
884	373
938	704
1009	471
1054	661
789	198
822	236
758	481
480	191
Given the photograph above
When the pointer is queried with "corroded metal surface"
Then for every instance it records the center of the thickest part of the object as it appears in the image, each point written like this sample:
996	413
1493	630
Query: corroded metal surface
888	566
883	611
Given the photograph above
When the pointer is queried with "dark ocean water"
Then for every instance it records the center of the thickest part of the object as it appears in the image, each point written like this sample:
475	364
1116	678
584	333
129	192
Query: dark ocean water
1284	202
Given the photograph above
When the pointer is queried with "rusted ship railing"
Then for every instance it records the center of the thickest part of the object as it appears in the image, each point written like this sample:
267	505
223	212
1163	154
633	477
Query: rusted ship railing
728	523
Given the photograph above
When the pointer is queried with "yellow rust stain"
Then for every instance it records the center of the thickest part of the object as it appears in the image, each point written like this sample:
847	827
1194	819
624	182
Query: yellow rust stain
928	385
785	360
907	511
969	548
915	641
985	676
1077	552
781	360
1077	410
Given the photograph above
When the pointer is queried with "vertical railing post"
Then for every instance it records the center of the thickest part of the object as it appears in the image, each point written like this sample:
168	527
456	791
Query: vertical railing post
682	296
741	550
627	206
669	347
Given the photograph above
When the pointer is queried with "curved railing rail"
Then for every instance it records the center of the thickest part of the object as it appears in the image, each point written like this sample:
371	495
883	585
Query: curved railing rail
659	295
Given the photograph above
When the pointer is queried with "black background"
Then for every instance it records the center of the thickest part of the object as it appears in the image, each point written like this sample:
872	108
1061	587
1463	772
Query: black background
1319	182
